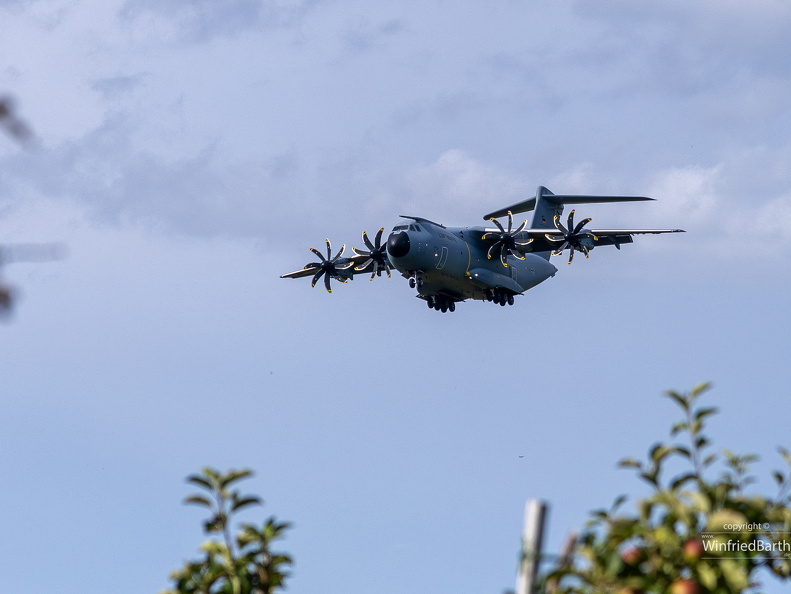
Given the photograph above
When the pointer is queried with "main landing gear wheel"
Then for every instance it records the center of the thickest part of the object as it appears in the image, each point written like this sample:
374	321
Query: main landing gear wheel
500	296
440	303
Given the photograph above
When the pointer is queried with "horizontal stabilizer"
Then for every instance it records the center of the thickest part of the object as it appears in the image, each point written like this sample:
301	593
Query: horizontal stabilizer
530	203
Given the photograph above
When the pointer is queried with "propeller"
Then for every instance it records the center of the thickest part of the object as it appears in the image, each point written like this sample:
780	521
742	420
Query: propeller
573	238
377	255
505	241
329	266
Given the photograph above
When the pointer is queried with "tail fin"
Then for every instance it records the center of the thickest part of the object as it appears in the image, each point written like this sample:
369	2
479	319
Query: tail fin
546	209
548	205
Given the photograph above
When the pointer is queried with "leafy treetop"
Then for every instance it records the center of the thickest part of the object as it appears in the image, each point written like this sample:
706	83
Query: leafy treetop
694	534
240	563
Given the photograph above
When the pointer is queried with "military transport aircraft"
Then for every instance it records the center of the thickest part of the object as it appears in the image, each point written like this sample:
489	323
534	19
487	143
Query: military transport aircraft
451	264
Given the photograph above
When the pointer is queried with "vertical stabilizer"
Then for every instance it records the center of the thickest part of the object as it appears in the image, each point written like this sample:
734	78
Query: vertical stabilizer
547	206
546	210
544	214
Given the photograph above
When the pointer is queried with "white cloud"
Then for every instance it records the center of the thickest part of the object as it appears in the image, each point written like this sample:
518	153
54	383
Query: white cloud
688	193
203	20
773	220
462	187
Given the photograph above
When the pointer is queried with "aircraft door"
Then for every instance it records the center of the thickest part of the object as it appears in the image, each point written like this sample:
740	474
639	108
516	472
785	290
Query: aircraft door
443	256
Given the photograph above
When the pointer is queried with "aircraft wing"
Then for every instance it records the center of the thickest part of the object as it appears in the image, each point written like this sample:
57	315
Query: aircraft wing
538	238
347	265
342	269
307	271
614	237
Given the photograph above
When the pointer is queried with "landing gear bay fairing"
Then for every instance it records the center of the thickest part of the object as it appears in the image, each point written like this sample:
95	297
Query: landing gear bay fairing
447	265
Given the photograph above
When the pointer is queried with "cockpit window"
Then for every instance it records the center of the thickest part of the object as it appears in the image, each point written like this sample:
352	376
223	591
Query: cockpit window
410	227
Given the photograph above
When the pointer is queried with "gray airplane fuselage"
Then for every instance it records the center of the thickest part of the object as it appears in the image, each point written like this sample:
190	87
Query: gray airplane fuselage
447	265
453	262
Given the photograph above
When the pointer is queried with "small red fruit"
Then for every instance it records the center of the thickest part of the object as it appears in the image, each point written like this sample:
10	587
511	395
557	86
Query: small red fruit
685	587
632	556
692	550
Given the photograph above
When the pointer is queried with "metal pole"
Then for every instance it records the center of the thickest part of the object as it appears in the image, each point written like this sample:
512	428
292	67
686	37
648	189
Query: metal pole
532	537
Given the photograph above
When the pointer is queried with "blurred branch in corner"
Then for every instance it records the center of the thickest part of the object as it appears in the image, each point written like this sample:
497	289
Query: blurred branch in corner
25	252
11	123
21	252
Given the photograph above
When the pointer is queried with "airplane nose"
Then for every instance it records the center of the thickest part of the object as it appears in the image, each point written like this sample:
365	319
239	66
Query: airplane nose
398	244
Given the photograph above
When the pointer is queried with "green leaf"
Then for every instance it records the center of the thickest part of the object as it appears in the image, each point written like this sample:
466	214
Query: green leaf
200	481
779	478
619	501
245	502
646	507
705	412
678	427
234	475
649	477
699	389
707	575
198	500
734	575
678	399
678	482
695	427
658	452
785	454
709	460
629	463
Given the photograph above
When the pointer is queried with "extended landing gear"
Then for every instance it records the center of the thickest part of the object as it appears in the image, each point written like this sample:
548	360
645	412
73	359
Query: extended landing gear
441	303
415	282
500	296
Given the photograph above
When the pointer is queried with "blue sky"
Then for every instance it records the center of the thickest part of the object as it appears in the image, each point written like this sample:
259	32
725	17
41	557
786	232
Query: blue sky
188	153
